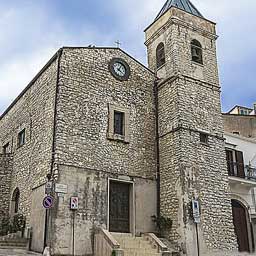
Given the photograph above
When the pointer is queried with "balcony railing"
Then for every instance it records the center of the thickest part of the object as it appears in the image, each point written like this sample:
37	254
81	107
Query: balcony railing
240	171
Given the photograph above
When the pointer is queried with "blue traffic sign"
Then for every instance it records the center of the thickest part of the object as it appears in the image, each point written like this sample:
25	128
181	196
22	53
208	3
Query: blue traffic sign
48	202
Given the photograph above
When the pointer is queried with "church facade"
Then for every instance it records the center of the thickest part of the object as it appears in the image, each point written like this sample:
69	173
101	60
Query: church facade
128	142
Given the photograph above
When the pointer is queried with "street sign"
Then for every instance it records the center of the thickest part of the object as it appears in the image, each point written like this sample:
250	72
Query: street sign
60	194
61	188
196	211
48	202
74	203
48	187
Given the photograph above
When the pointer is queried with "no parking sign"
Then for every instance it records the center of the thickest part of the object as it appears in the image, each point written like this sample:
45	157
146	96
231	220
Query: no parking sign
48	202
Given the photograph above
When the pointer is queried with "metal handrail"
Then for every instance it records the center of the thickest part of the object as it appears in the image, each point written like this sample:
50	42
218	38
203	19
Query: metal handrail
249	171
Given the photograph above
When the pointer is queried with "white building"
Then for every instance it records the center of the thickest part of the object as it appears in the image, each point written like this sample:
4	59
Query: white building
241	159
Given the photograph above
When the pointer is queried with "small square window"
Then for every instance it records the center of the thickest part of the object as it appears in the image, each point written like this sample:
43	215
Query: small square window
6	148
204	138
21	138
119	123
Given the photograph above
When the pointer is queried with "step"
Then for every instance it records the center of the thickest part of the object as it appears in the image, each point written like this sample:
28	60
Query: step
13	247
140	250
135	246
13	240
14	243
140	254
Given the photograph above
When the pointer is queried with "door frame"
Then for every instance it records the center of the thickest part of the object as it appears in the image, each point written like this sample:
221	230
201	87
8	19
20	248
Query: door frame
132	203
247	218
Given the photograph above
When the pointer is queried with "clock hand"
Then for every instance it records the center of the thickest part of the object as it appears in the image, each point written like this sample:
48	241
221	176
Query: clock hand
119	69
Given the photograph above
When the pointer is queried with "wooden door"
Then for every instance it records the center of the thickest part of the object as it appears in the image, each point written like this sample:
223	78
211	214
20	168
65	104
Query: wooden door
119	207
240	223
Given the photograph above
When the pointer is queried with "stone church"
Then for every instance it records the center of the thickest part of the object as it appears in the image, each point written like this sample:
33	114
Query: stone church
128	142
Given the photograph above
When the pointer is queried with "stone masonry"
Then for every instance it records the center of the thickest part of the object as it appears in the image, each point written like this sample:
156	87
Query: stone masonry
5	181
189	105
33	111
85	155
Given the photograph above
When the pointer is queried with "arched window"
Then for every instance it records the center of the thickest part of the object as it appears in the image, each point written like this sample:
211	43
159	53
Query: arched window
16	200
160	55
196	51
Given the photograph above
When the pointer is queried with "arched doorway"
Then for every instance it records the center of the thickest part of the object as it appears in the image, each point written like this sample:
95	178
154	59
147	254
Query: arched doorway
15	202
240	216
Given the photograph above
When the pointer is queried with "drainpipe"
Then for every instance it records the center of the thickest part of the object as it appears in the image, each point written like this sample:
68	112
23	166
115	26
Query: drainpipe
157	147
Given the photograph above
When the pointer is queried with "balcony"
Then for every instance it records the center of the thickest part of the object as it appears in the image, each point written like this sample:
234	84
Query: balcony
245	175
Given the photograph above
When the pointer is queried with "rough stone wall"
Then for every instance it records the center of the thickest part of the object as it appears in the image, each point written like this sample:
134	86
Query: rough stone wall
5	184
86	88
190	169
33	112
245	125
189	103
84	153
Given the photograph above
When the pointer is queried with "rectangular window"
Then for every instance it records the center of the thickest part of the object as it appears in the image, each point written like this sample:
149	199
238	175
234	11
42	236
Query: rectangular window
204	138
230	162
235	162
118	123
6	148
21	138
240	164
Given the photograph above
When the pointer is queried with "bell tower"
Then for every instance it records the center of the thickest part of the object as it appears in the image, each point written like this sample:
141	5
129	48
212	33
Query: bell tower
181	46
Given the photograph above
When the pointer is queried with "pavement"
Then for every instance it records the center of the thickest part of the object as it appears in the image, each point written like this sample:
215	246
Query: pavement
17	252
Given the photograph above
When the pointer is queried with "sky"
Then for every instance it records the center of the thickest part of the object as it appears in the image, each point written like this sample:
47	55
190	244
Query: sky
33	30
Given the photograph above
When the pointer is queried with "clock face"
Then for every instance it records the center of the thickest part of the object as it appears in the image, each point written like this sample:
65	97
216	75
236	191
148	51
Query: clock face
119	69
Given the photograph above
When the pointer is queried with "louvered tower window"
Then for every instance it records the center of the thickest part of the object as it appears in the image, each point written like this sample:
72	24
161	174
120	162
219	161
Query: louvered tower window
160	55
196	51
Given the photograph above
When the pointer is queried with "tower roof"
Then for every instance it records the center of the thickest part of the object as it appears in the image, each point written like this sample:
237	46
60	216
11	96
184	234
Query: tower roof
184	5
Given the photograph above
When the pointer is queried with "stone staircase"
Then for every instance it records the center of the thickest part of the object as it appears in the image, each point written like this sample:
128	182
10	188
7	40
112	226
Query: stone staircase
136	246
13	241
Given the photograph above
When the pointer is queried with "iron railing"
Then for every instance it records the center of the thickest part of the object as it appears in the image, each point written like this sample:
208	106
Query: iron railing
241	171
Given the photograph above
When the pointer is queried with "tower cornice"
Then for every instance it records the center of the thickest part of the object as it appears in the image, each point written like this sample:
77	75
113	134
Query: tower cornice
184	24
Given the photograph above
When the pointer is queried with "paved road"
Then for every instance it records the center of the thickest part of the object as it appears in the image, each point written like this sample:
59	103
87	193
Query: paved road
17	252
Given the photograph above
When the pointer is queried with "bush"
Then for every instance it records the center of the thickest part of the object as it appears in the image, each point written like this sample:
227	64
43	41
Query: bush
18	223
5	226
163	224
8	225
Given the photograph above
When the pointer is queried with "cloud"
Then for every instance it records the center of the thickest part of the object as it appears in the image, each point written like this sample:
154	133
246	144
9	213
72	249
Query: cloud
32	34
34	30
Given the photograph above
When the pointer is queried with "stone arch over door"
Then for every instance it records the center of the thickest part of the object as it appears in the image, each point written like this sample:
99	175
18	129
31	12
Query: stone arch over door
242	227
15	202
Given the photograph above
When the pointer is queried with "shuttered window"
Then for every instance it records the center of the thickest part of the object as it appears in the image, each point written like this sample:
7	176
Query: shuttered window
240	164
230	162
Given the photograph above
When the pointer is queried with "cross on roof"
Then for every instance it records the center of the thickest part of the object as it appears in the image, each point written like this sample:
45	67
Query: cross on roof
118	44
